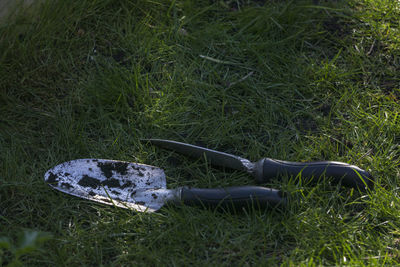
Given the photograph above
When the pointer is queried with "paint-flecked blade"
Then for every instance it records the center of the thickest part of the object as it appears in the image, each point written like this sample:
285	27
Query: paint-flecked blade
122	184
215	157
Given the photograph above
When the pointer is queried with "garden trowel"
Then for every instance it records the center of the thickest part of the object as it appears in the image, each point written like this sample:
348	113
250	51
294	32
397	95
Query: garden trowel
143	187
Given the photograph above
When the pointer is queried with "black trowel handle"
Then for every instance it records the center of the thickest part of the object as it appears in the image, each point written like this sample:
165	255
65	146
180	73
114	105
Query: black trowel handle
338	172
240	196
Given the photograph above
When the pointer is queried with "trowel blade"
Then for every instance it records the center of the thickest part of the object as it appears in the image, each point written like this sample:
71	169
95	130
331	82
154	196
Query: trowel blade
123	184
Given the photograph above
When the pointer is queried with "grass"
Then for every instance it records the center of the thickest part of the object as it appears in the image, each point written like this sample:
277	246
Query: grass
284	79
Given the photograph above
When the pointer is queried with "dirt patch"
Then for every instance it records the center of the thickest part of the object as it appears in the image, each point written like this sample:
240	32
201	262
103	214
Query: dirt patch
66	185
52	179
111	183
94	183
108	168
128	184
88	181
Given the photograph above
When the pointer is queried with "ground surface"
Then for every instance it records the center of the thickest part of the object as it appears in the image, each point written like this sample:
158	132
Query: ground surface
284	79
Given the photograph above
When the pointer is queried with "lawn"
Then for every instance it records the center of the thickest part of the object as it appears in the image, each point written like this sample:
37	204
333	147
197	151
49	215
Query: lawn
290	80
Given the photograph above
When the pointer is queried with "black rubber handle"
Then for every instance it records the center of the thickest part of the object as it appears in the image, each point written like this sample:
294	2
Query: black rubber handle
240	196
338	172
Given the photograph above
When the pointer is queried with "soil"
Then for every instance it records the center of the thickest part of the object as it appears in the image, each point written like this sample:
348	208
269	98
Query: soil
107	168
88	181
52	179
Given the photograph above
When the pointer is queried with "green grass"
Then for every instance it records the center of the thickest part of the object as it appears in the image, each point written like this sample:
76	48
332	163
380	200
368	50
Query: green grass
284	79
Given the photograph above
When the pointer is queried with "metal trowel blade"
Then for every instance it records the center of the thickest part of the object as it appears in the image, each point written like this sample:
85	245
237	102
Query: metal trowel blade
123	184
